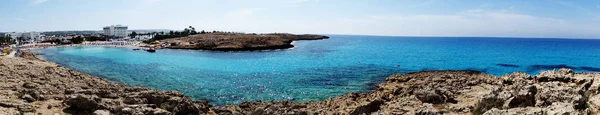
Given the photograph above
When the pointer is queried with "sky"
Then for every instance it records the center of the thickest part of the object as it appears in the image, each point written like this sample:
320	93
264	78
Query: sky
482	18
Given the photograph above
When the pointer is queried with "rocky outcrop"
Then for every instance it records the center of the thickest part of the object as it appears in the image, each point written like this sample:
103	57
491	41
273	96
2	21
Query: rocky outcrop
31	87
237	41
28	55
454	92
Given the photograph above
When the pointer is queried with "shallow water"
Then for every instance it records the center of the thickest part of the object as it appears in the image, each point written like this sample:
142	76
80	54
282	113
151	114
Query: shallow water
317	70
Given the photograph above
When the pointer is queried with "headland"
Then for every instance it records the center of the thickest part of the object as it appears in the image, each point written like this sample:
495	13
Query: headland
236	41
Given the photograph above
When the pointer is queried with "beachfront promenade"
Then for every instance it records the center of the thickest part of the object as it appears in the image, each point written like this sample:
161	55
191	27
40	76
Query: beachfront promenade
95	43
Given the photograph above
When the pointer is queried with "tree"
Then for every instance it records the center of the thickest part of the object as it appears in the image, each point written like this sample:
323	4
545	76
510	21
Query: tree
77	40
20	39
94	38
133	34
186	31
193	30
5	40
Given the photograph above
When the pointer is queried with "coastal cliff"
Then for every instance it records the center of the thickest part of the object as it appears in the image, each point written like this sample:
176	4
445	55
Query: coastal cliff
32	86
237	41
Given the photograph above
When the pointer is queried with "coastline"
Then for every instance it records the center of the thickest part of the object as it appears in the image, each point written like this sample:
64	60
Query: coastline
33	86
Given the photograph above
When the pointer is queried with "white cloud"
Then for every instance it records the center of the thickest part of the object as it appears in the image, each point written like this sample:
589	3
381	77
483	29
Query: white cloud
466	23
38	1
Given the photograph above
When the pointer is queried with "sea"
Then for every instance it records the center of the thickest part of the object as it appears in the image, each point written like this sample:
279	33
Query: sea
320	69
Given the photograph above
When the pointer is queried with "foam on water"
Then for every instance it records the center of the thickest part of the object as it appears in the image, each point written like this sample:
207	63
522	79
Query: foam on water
316	70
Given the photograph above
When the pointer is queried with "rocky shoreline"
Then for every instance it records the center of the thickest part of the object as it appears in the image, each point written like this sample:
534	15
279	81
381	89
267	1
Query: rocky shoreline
30	86
237	41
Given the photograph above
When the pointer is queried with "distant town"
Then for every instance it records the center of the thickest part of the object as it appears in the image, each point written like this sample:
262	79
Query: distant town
108	33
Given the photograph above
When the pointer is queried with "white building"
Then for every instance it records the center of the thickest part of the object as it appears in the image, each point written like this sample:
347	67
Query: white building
14	35
26	37
32	37
143	37
117	31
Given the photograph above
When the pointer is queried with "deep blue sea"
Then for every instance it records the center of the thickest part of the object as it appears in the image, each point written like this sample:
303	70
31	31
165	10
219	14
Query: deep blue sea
317	70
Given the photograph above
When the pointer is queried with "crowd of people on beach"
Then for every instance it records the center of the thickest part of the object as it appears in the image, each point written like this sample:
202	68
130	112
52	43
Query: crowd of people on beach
95	43
14	50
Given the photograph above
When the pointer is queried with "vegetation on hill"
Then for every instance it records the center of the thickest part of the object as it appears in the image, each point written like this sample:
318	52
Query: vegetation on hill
176	34
228	41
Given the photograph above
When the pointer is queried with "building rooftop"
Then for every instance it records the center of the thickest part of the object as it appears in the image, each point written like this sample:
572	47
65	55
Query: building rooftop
116	26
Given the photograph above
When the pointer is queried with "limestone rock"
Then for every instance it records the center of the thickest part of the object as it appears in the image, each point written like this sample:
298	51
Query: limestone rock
553	92
594	104
524	97
496	98
427	109
368	108
30	85
563	75
561	109
186	107
28	97
430	96
59	89
84	102
101	112
26	108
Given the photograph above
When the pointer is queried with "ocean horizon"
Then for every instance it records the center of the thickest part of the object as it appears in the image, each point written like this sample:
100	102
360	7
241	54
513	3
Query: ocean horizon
320	69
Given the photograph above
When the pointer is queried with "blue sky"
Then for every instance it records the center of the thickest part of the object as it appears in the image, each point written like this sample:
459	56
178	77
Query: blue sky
497	18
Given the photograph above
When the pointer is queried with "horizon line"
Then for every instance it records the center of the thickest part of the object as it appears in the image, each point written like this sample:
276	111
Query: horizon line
381	35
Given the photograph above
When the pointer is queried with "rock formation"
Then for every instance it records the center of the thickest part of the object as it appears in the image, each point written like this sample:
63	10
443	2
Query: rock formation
36	87
32	86
237	41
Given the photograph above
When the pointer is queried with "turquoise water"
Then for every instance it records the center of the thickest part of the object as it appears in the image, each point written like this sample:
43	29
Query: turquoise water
317	70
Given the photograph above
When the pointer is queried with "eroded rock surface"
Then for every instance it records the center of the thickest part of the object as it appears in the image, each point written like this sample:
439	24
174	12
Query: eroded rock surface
455	92
37	87
30	86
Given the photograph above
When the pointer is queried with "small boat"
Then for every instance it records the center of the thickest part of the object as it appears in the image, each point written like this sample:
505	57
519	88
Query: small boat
151	50
137	49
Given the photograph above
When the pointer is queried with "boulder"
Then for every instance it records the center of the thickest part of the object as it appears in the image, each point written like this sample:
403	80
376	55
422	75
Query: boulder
368	108
84	102
187	107
127	110
427	109
101	112
496	111
26	108
28	98
594	104
161	112
29	85
561	109
553	92
430	96
516	111
524	97
562	75
134	100
496	98
10	103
